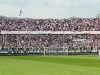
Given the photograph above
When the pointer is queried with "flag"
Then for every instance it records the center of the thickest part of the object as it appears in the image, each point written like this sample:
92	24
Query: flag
20	13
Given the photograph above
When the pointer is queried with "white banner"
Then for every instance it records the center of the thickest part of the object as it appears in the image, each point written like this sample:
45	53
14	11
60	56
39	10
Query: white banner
50	32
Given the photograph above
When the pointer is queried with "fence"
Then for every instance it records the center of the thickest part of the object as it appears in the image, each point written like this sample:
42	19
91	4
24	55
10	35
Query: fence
46	51
60	42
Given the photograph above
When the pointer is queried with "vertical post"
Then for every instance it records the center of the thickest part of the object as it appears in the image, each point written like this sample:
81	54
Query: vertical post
44	51
99	53
63	43
3	37
86	35
63	39
3	41
29	41
97	41
24	42
52	42
17	42
63	49
41	43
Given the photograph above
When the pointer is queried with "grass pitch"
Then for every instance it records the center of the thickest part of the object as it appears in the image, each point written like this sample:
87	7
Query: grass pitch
50	65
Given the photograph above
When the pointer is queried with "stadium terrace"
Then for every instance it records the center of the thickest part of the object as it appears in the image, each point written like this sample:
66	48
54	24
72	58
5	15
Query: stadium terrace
50	36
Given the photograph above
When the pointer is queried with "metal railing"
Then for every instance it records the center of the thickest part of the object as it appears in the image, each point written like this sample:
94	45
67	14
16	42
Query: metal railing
46	51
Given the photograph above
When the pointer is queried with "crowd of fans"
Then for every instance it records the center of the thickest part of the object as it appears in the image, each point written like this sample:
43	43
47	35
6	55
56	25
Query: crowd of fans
78	24
49	40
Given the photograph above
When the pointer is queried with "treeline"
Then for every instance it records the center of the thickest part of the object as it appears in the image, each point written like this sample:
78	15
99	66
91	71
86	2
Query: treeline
4	17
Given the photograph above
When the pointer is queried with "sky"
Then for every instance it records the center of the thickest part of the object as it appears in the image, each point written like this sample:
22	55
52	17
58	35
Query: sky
50	8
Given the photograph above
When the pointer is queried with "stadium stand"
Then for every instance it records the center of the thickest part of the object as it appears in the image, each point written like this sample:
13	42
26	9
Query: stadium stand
87	24
61	43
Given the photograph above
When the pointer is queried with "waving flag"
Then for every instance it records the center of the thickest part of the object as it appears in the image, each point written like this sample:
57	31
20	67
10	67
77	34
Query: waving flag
20	13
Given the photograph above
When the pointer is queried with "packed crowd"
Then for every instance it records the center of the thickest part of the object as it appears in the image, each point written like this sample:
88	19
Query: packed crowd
41	41
80	24
49	40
